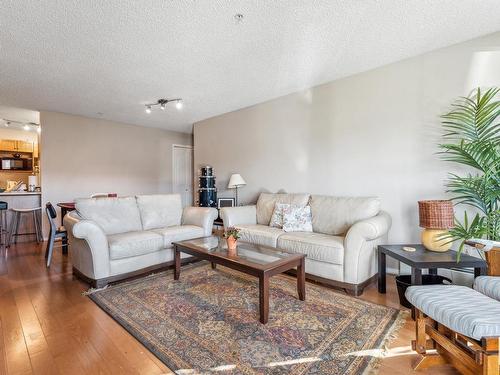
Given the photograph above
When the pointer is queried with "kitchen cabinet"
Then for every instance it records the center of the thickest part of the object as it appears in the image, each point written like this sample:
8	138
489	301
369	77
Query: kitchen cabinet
8	145
23	146
17	146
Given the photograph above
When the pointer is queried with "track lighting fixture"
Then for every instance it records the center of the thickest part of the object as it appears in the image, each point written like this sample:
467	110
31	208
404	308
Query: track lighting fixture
163	104
28	126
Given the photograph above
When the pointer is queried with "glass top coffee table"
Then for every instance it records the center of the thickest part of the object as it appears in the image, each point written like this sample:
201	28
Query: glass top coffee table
256	260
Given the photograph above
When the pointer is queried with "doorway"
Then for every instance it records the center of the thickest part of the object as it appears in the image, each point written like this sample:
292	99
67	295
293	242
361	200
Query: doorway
182	171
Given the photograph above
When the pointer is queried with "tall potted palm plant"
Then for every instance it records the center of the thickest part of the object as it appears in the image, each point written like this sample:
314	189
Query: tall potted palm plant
472	139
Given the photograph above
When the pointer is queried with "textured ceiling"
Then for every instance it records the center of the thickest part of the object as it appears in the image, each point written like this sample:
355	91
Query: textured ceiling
107	58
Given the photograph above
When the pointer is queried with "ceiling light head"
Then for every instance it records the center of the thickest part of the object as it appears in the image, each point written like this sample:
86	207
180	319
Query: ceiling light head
163	104
39	129
26	127
238	17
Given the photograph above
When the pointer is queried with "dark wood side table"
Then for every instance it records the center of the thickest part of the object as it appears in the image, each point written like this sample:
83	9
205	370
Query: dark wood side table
424	259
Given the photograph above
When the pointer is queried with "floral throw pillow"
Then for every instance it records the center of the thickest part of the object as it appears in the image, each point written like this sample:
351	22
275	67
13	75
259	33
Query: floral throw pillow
277	217
297	219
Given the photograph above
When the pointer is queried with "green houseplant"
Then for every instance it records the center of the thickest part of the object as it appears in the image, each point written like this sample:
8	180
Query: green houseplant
472	139
231	235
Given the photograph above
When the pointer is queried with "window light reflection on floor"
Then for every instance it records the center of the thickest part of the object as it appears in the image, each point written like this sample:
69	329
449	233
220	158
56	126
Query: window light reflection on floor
294	361
383	353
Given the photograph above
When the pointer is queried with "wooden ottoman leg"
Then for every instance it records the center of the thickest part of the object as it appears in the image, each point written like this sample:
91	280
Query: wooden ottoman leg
491	364
421	342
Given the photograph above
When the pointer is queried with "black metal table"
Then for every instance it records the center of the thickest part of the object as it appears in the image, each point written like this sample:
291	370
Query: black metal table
424	259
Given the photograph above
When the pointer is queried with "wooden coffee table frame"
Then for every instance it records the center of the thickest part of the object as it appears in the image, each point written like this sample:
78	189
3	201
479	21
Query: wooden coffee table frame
262	271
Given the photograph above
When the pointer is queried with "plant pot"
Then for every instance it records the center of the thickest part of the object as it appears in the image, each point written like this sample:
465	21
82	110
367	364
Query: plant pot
232	244
404	281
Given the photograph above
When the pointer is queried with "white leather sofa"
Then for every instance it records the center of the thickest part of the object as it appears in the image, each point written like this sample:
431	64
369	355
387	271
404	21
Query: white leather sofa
115	238
341	250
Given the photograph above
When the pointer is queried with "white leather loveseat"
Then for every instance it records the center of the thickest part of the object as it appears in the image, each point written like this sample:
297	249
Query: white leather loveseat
115	238
341	250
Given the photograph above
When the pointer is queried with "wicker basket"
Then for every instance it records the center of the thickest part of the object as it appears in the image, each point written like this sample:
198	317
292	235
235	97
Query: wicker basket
436	214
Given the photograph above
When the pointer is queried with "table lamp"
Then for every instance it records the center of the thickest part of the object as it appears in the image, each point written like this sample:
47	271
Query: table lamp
235	182
436	217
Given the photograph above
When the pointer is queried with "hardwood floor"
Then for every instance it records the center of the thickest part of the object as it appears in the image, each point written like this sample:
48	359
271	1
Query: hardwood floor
48	327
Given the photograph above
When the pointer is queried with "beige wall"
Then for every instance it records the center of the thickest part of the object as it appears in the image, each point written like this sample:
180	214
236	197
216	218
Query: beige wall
81	156
374	133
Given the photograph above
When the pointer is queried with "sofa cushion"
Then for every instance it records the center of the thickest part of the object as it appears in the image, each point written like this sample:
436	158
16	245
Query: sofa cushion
179	233
126	245
335	215
459	308
266	202
159	210
488	285
297	219
259	234
113	215
316	246
277	216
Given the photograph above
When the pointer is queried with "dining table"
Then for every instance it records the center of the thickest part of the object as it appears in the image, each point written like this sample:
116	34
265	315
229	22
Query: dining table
65	208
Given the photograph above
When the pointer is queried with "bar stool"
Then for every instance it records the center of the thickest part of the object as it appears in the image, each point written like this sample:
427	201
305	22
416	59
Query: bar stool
16	219
3	223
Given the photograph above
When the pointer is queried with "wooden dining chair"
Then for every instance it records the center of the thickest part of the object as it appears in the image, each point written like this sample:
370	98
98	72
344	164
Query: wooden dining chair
55	233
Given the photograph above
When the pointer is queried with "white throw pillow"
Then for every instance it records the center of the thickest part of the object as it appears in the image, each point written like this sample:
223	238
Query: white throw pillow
297	219
277	217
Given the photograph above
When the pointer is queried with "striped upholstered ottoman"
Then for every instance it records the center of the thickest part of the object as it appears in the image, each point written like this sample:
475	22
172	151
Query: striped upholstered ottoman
463	324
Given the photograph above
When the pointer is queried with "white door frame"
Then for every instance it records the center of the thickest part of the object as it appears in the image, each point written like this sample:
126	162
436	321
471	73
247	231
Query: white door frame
189	147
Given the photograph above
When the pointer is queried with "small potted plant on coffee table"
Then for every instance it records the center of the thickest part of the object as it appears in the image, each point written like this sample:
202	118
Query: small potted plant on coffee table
231	235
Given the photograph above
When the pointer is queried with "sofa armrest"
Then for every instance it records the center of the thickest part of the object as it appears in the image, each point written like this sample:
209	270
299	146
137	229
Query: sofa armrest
200	216
360	247
89	246
238	215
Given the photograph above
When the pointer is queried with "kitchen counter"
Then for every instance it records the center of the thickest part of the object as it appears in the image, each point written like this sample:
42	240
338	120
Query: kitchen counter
14	193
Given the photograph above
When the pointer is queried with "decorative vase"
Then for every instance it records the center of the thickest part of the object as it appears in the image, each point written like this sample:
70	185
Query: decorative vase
433	240
232	243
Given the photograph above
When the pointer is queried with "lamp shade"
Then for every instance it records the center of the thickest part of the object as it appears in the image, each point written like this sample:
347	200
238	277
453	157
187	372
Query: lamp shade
236	181
436	214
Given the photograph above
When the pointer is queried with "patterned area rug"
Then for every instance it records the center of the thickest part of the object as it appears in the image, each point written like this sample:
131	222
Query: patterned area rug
208	322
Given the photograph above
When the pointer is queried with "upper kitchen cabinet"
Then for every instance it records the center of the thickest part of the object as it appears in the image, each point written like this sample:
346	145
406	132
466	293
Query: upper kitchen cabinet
16	146
23	146
8	145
